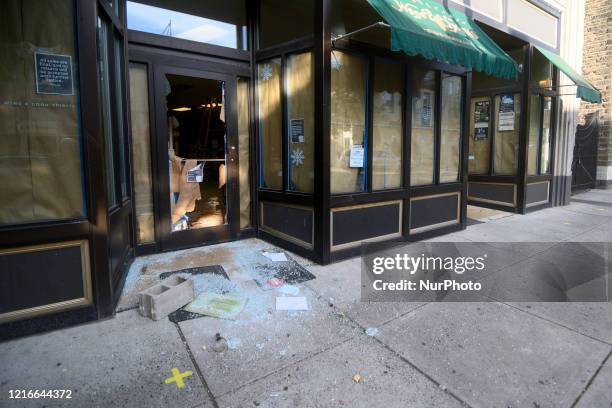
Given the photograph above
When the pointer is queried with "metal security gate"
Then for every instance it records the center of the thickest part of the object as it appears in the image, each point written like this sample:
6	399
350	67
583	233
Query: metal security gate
584	165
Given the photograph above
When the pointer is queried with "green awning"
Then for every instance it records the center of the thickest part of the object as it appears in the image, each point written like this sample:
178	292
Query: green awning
434	31
585	91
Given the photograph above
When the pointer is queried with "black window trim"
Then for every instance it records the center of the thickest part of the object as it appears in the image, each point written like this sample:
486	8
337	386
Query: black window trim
116	34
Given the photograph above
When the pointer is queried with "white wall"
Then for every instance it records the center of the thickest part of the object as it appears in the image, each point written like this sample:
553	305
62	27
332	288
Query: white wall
571	50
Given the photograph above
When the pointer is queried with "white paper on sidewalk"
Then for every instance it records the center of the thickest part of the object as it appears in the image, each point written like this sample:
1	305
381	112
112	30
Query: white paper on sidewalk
291	303
275	256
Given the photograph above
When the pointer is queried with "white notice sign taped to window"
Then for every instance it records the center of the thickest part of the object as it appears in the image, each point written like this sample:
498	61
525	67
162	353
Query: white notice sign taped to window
356	157
195	175
506	113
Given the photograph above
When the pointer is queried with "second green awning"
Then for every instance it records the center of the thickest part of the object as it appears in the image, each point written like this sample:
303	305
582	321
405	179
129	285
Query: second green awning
585	91
434	31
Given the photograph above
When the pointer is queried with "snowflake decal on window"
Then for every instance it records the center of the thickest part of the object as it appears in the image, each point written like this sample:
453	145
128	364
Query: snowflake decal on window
297	157
266	72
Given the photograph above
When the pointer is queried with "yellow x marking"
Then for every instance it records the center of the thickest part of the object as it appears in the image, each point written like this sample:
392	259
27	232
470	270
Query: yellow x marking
177	377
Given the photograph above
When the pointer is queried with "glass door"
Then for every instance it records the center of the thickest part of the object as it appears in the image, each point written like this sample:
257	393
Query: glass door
196	132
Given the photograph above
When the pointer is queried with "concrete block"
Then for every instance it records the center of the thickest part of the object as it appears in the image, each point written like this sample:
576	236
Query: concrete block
162	299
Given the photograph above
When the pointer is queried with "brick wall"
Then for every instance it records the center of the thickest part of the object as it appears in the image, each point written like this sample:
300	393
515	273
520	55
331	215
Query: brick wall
597	68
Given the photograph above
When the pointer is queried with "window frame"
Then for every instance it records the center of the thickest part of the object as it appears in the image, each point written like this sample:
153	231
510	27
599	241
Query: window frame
370	53
119	121
531	89
370	121
553	93
491	100
164	41
283	53
368	116
492	118
438	131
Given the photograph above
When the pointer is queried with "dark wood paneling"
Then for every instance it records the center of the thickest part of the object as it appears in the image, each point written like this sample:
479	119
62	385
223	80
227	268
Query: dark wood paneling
296	222
537	192
501	193
322	120
361	223
434	210
119	243
37	278
93	154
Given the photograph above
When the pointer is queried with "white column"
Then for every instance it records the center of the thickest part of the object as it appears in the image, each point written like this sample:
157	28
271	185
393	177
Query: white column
571	50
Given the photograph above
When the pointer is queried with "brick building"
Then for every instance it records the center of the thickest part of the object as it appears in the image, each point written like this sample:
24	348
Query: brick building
597	68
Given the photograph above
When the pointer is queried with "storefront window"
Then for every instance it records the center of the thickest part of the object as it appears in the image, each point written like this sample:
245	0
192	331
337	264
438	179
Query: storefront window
111	82
480	135
540	110
535	107
119	112
423	125
300	121
40	132
219	23
348	123
387	126
282	21
270	123
541	70
244	180
141	153
105	111
546	136
450	141
507	129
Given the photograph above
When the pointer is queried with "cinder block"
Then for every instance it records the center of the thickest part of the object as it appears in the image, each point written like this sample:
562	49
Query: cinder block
164	298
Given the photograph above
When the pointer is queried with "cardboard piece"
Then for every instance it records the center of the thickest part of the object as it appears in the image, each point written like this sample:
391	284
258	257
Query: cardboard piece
216	305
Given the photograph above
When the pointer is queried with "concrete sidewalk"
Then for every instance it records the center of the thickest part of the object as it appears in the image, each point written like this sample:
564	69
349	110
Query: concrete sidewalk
485	354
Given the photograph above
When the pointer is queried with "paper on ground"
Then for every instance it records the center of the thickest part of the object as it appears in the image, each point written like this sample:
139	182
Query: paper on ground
216	305
291	303
275	256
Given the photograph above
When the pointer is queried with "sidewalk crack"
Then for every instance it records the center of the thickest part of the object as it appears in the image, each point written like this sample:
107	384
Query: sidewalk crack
196	366
592	379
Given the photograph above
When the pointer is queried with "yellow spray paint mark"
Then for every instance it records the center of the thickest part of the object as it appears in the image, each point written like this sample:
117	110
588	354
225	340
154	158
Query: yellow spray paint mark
177	377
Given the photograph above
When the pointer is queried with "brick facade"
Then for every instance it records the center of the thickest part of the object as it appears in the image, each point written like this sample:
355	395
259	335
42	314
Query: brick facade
597	68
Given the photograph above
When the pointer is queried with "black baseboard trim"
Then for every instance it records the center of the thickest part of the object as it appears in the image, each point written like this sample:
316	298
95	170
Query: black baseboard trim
344	254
